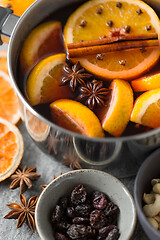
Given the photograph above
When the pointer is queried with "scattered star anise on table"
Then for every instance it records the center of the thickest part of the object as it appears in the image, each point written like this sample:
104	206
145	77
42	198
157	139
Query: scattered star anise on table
74	75
54	177
23	212
71	160
24	178
93	93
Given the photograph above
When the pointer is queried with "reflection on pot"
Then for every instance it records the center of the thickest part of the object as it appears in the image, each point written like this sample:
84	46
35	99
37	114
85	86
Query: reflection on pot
37	129
97	154
143	147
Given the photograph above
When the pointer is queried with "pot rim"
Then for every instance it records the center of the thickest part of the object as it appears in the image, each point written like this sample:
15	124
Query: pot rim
35	113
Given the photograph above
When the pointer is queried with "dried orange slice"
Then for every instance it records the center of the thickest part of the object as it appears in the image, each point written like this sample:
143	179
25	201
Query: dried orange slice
99	18
44	80
18	6
3	61
116	117
76	117
146	110
44	40
9	106
145	83
11	148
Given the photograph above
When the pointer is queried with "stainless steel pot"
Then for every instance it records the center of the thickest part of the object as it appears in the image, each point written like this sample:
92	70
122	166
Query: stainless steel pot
72	149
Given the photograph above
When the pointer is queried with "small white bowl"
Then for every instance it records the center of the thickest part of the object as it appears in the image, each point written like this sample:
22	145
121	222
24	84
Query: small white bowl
94	180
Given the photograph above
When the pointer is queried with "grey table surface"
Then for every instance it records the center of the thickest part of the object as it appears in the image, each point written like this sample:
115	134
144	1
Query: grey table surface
47	167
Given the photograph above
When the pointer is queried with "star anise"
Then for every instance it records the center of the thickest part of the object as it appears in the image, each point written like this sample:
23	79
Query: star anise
74	75
93	94
23	212
54	177
24	178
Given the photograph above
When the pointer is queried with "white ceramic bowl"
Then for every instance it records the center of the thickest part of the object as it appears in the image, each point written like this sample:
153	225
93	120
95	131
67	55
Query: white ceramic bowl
94	180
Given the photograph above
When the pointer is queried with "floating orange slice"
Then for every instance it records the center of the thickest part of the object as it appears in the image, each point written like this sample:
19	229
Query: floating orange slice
9	106
116	117
103	18
11	148
148	82
44	40
44	80
3	61
76	117
146	109
18	6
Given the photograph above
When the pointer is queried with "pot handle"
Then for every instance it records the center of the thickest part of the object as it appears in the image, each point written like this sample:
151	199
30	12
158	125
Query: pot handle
7	23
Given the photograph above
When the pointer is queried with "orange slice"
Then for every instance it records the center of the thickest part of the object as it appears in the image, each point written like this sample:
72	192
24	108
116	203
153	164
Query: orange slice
145	83
3	61
18	6
44	40
9	107
76	117
146	110
44	80
11	148
135	62
116	117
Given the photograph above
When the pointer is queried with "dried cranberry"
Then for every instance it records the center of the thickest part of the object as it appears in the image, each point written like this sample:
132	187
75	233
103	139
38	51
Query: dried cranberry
105	230
79	195
91	231
80	220
60	236
63	225
99	201
58	213
71	212
76	231
83	210
97	219
111	212
101	238
113	234
63	202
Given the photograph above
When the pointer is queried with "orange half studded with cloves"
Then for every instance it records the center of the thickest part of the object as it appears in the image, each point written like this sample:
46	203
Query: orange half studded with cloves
112	18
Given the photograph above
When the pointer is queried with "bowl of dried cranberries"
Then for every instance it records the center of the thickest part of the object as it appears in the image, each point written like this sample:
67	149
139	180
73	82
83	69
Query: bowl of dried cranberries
85	204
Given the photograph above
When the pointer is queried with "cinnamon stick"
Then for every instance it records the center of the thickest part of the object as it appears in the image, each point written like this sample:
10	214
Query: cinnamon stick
106	40
111	47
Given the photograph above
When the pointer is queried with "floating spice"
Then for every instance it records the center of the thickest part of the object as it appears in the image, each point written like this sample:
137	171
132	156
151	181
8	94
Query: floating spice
139	11
100	56
83	23
148	27
99	11
122	62
127	29
118	4
93	93
74	75
110	23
